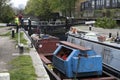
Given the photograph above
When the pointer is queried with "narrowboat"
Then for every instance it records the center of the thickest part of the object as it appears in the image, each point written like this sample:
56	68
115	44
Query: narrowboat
106	46
67	61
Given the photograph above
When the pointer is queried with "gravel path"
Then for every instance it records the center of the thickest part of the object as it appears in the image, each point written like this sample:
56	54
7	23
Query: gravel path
7	49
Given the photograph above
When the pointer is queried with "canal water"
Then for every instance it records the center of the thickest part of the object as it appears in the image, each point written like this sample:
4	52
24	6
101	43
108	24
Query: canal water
61	36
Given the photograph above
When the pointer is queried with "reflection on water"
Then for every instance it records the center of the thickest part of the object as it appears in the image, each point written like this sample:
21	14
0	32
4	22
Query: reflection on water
61	36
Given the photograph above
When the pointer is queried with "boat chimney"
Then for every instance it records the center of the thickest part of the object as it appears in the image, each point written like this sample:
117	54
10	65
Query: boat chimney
110	35
117	34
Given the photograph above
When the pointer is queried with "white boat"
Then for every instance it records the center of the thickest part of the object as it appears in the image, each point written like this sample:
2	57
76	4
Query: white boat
109	50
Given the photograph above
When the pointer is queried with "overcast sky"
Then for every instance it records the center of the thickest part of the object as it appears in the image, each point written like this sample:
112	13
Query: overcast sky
19	3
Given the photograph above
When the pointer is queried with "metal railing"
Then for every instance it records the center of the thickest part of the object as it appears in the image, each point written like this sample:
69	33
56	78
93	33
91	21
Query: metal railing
51	23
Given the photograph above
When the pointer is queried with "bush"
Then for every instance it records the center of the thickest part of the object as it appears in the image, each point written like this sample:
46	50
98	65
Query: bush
106	23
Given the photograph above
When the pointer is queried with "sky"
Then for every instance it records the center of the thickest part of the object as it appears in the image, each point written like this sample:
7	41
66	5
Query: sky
18	3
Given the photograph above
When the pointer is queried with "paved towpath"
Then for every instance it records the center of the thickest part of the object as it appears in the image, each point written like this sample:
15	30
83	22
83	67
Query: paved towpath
8	51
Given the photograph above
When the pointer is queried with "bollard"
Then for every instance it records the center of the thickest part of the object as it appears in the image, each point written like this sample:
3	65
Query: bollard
117	34
21	49
90	28
13	32
110	35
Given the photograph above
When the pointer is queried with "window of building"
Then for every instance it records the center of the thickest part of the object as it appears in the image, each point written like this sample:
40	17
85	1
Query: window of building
98	2
114	3
107	3
119	1
82	6
93	4
103	2
86	4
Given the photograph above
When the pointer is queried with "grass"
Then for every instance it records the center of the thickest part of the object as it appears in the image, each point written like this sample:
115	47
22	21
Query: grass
22	68
22	39
2	26
6	34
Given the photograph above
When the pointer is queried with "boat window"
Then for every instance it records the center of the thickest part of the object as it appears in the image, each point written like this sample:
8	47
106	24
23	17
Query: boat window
64	53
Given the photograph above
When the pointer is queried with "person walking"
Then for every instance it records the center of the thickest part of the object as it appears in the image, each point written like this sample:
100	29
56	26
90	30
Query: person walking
20	16
17	23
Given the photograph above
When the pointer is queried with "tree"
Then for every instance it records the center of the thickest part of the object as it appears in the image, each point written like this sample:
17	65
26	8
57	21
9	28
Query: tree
40	8
6	12
31	7
67	7
45	7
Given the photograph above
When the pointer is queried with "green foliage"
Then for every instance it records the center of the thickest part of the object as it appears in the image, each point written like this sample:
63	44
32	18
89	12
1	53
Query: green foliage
55	5
40	8
6	12
22	69
43	8
106	23
22	39
64	6
6	34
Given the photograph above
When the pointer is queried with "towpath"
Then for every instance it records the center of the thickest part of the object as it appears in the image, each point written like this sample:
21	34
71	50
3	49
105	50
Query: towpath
8	52
7	49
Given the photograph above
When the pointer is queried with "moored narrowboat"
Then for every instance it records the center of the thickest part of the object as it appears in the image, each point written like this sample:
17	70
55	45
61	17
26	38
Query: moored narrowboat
69	61
107	47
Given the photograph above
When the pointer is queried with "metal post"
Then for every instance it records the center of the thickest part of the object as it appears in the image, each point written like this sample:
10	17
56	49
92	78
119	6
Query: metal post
117	34
90	27
110	35
21	47
22	23
18	37
13	32
29	27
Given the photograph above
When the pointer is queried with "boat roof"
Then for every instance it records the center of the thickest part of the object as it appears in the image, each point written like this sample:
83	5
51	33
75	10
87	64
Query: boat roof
83	31
74	46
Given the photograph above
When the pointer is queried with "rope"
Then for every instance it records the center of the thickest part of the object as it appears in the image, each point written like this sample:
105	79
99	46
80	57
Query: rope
75	78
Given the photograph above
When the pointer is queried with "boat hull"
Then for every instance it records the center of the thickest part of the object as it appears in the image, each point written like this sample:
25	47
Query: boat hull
109	53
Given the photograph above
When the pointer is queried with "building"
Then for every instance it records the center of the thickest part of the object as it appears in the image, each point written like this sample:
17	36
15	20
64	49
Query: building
77	8
100	8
